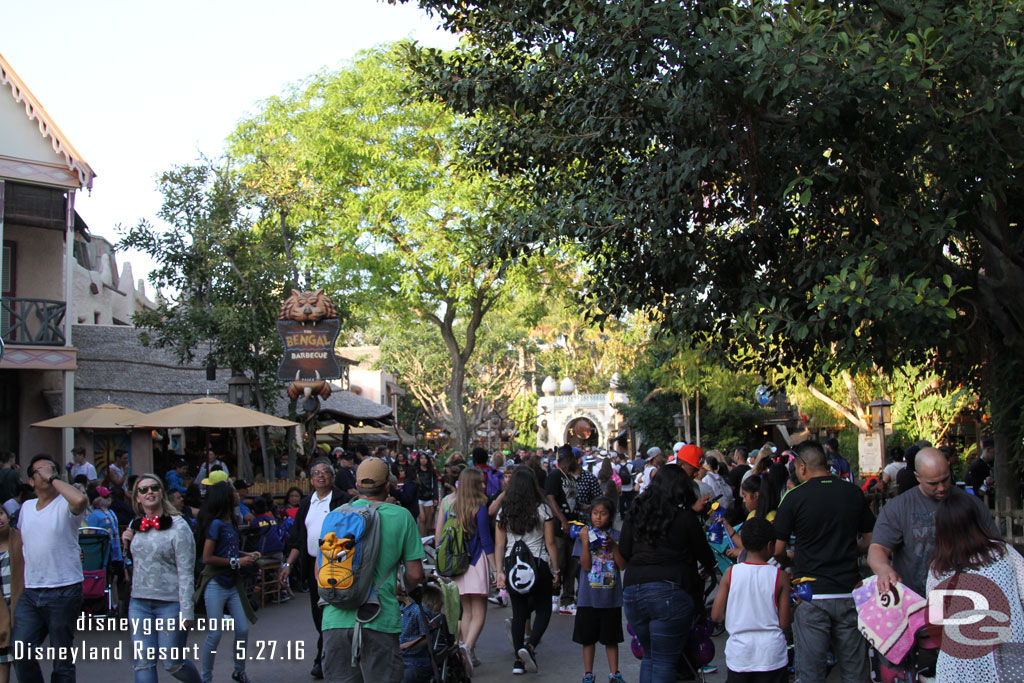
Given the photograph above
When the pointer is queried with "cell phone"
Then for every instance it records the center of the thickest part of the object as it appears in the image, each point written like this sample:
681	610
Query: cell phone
716	497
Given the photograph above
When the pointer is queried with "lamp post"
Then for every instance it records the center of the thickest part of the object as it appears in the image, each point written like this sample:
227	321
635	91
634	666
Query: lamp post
678	421
881	415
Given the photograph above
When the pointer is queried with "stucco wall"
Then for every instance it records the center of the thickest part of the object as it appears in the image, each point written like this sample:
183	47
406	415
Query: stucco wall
33	408
19	137
38	262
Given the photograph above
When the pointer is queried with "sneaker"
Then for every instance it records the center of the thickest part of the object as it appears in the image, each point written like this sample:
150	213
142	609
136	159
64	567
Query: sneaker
616	678
569	610
508	632
518	667
467	661
474	658
529	658
709	669
241	677
589	678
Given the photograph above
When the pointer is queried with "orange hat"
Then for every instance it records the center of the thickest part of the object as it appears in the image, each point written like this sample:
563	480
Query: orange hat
691	455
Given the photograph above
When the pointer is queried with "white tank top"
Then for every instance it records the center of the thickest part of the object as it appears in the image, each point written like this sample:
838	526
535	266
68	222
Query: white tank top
756	641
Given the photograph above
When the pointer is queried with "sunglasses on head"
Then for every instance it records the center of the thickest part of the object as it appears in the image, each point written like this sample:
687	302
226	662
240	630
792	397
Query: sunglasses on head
155	488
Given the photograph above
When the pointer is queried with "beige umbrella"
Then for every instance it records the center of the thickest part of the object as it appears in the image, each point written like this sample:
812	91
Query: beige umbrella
106	416
208	412
338	429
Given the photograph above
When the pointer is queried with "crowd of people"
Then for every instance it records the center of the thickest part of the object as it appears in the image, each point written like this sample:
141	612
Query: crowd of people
589	533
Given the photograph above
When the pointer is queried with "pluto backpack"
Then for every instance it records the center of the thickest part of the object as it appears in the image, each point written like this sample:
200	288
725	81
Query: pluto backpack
349	548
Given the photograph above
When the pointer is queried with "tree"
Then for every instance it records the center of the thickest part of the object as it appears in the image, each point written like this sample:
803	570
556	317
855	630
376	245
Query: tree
389	220
224	279
822	186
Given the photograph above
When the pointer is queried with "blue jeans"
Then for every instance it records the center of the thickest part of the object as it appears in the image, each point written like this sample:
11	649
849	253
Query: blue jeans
45	612
661	613
144	612
217	597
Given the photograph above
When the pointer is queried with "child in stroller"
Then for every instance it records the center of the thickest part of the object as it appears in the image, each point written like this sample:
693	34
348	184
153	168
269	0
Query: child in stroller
431	653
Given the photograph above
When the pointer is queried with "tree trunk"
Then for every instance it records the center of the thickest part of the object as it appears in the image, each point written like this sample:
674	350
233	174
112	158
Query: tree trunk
293	451
686	420
697	418
269	468
459	425
242	450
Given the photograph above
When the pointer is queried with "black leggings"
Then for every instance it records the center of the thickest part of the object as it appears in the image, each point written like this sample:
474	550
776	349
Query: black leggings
538	601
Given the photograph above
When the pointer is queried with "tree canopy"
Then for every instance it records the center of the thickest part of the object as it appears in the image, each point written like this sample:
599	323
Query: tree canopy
822	186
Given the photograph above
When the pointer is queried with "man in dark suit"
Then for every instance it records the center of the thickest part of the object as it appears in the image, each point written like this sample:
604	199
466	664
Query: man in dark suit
303	542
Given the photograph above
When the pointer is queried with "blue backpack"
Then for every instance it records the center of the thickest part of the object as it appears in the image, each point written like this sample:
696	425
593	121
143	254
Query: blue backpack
349	548
272	536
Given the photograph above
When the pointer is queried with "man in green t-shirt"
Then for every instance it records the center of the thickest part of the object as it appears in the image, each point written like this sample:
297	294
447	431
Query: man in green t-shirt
380	659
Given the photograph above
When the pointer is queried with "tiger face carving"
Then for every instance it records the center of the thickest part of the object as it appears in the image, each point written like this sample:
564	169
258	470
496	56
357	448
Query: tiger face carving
308	307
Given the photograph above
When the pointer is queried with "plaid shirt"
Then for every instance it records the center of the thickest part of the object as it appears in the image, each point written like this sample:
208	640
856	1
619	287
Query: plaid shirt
5	575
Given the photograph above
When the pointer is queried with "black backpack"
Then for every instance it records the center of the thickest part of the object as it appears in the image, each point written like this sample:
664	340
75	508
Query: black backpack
625	475
520	569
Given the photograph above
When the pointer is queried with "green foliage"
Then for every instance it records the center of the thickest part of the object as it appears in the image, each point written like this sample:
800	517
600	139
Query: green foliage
225	276
522	412
805	185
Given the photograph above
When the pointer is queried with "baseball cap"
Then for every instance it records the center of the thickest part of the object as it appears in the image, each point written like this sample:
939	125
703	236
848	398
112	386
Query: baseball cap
371	473
691	455
653	452
241	484
102	491
78	450
215	477
677	445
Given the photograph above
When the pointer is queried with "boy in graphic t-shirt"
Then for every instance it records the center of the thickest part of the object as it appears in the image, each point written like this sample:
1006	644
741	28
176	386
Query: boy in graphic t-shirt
599	603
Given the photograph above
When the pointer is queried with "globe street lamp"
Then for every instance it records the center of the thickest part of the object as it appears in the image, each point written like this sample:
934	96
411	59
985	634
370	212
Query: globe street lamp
881	415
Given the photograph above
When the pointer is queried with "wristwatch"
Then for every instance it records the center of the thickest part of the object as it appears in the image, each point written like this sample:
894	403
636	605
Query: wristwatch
235	563
286	564
52	477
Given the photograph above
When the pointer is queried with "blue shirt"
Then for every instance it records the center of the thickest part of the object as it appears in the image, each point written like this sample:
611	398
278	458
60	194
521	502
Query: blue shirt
225	537
174	482
412	628
601	587
107	520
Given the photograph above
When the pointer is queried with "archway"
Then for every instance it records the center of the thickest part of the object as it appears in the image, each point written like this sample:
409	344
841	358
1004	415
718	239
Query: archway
582	431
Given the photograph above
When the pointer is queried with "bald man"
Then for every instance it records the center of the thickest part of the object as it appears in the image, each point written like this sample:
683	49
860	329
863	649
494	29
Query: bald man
904	539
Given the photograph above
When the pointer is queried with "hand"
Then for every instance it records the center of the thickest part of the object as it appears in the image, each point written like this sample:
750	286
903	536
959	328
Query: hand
188	623
732	553
701	503
499	580
886	578
246	561
565	527
127	536
556	582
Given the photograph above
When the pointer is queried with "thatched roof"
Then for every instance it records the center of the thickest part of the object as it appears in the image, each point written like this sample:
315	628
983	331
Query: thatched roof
114	367
344	406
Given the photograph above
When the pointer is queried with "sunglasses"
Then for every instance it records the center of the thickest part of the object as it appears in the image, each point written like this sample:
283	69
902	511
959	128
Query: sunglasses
155	488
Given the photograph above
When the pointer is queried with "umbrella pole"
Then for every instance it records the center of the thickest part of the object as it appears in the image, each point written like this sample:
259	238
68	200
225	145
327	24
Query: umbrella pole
244	461
344	438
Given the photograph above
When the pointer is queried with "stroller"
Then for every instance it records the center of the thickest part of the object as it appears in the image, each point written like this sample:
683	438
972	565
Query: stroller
442	647
94	545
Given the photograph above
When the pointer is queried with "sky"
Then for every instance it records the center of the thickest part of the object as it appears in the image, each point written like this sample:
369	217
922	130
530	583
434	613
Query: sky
139	86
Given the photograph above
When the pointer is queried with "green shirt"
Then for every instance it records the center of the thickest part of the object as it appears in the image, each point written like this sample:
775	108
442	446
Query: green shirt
399	542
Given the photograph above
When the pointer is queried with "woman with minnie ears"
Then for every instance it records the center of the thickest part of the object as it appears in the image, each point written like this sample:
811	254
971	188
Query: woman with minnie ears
164	554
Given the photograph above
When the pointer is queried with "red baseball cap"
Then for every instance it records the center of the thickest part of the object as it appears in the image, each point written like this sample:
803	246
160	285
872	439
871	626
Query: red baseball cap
691	455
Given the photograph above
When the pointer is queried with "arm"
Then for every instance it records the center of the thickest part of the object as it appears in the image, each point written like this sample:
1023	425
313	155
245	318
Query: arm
780	554
620	561
439	522
549	543
185	561
413	573
77	501
782	601
495	505
864	543
557	512
586	561
722	599
499	546
880	561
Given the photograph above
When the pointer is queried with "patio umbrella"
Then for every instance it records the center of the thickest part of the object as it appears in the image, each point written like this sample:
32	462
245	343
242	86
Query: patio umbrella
208	412
338	429
106	416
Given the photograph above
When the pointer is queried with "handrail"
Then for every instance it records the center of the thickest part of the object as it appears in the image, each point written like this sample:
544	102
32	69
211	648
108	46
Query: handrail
32	321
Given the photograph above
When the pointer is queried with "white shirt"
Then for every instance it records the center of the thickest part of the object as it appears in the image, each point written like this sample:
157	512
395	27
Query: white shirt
50	544
318	509
756	641
85	468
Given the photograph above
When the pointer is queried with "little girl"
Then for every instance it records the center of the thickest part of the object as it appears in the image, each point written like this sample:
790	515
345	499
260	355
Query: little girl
753	599
221	583
599	603
12	583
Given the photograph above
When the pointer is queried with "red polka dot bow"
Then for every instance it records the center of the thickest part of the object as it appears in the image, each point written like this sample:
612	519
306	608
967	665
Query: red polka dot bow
150	523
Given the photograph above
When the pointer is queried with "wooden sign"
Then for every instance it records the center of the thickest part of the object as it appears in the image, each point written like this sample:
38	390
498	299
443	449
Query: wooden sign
309	326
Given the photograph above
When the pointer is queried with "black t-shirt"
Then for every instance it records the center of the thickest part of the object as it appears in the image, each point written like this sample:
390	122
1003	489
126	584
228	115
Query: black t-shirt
735	478
977	475
673	558
825	514
906	479
345	479
563	488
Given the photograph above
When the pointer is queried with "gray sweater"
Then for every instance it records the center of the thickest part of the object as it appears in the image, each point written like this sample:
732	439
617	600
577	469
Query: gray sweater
164	565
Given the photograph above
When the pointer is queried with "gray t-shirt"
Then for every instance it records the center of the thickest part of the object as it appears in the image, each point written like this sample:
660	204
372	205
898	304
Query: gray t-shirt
906	526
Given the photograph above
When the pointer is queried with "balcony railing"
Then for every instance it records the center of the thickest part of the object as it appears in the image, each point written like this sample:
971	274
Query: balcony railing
32	321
